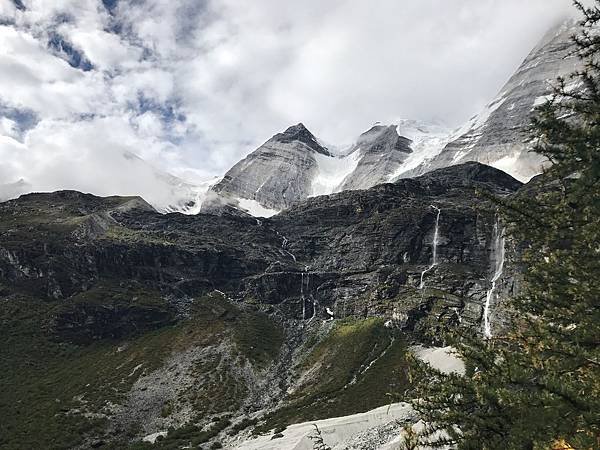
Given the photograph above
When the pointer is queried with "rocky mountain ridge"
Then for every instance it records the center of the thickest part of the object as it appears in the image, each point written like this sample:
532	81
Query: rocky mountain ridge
201	327
382	150
282	172
276	175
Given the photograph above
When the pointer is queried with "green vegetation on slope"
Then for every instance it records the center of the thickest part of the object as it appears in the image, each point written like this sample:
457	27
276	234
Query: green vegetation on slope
54	394
258	338
353	369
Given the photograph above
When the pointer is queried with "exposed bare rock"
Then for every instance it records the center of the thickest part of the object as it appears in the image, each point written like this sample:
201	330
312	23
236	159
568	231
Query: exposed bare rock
277	174
381	151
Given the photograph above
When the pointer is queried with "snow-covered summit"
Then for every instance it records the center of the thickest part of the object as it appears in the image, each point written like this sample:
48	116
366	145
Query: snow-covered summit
294	165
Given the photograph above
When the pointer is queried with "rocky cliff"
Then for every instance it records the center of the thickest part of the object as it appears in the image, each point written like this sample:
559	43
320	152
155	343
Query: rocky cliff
119	322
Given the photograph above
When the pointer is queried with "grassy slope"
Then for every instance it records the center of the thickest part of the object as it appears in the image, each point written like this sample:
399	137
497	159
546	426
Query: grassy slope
44	383
340	383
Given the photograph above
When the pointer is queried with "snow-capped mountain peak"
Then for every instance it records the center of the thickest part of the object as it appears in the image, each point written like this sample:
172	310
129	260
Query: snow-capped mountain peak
498	134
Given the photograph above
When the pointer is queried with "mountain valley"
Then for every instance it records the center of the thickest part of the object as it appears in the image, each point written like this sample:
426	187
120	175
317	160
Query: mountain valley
297	289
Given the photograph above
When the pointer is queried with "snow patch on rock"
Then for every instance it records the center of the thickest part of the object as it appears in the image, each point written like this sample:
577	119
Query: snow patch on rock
255	209
428	140
154	436
443	359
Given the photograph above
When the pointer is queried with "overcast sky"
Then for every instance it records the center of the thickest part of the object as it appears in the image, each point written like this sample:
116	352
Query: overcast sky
193	85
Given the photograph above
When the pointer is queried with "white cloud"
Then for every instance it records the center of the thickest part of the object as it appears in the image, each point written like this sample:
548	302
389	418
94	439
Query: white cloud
105	50
7	9
192	86
8	128
30	77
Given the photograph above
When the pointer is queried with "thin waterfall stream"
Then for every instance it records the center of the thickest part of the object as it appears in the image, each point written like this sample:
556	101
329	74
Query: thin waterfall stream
498	268
436	237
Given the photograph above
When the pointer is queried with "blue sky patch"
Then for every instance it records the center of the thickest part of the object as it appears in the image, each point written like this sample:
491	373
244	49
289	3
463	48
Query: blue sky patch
66	51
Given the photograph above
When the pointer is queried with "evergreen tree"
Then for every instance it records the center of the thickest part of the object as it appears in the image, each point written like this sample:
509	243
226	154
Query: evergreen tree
538	386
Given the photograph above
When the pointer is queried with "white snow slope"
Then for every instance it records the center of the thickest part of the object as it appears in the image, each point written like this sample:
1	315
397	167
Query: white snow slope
332	171
428	140
379	428
334	431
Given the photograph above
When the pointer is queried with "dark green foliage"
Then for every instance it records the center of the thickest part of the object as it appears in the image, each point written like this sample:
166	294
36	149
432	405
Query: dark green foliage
242	425
48	385
217	390
191	435
258	338
43	381
540	384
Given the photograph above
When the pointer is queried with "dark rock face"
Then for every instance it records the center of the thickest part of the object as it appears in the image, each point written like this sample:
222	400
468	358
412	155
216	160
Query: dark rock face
85	322
358	253
61	245
299	133
365	250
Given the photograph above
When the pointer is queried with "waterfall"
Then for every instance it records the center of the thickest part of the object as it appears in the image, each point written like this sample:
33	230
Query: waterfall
330	313
314	307
284	244
498	267
302	296
303	276
436	235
